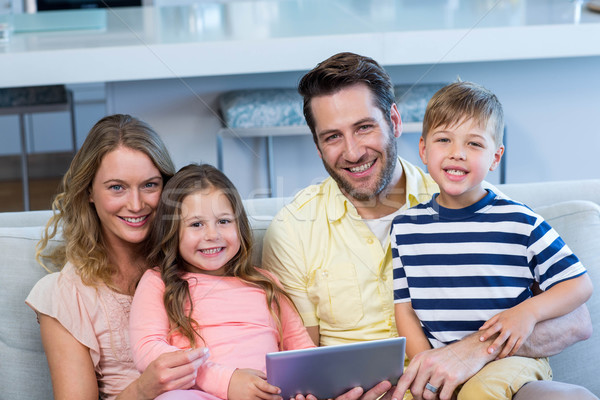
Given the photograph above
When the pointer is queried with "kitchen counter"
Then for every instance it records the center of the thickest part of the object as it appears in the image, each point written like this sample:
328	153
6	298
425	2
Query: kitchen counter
249	37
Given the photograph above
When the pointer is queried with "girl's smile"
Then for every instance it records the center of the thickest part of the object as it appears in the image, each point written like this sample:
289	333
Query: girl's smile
208	234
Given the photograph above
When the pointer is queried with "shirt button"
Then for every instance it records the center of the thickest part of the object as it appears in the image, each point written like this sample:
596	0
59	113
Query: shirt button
370	241
384	278
325	274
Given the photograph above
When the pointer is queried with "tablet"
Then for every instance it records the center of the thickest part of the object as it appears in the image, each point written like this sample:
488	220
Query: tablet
327	372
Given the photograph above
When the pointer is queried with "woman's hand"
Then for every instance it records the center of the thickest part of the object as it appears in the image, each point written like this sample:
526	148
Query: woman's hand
170	371
251	384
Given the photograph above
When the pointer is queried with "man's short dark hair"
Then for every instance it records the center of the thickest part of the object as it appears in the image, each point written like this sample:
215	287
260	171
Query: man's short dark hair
341	71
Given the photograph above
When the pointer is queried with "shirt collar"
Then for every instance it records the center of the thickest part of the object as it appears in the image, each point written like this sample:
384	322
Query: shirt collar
419	186
336	202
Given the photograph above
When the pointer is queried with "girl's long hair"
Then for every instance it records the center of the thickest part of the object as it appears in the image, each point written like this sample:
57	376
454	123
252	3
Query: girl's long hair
83	243
163	248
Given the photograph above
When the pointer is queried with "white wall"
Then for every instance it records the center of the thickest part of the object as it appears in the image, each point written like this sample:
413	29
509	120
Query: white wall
551	109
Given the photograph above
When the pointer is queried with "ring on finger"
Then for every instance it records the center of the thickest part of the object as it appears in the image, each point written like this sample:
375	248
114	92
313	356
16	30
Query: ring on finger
431	388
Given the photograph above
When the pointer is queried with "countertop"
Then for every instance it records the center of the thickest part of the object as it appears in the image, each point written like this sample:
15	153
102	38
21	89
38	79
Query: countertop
246	37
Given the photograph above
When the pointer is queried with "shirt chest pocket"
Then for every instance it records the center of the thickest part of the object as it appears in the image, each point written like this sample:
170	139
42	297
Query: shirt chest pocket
336	292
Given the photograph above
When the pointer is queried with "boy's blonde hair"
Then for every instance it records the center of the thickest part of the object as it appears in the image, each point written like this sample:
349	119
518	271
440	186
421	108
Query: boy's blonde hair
461	101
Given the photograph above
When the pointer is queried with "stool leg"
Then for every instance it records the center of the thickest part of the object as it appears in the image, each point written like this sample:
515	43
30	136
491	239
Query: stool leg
503	161
24	163
220	152
270	166
72	117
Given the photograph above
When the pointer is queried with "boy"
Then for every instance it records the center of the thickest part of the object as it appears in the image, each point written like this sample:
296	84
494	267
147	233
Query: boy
466	260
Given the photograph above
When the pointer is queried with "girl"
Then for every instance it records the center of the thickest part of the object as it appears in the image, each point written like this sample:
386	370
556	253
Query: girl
103	212
205	292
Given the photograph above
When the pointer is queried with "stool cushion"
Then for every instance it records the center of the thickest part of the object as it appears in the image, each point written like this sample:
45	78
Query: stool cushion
256	108
412	99
262	108
33	96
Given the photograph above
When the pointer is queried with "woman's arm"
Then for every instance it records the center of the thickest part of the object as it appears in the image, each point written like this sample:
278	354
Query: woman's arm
170	371
70	363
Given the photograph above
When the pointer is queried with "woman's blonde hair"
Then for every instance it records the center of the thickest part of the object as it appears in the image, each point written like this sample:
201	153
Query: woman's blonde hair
83	243
163	247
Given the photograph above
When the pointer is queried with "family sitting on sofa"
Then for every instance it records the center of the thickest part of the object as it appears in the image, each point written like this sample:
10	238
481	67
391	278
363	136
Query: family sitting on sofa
147	252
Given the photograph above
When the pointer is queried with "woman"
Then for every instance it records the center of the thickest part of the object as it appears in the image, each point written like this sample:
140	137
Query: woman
105	208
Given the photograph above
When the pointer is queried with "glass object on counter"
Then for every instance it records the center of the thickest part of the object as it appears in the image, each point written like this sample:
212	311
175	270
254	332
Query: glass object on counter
6	20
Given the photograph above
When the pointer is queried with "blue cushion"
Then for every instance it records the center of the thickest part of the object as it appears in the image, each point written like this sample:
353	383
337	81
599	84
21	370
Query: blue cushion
261	108
33	96
257	108
412	100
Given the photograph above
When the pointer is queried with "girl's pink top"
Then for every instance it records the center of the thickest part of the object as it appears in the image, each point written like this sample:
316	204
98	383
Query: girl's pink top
234	323
97	317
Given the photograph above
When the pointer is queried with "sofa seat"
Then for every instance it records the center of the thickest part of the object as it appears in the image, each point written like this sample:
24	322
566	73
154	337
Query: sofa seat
571	207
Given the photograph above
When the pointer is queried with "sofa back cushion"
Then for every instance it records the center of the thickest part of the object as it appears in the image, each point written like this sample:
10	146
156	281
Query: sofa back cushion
24	370
538	194
578	223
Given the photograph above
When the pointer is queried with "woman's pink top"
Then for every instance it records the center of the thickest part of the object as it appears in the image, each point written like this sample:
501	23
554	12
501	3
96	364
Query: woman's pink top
97	317
234	322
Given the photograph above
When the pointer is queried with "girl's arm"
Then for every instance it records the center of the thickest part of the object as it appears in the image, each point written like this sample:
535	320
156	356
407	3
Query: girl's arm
516	324
295	335
149	328
71	367
148	322
409	326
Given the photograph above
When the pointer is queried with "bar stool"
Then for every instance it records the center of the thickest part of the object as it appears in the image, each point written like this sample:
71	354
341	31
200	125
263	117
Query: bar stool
412	102
261	113
23	101
278	112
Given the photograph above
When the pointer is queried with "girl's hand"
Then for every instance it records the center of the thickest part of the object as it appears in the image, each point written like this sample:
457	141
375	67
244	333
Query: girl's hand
513	327
251	384
171	371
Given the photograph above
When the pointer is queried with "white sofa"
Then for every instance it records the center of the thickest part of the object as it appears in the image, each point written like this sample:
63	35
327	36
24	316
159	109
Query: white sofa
571	207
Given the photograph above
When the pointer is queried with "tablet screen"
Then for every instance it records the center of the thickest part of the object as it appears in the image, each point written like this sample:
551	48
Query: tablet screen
327	372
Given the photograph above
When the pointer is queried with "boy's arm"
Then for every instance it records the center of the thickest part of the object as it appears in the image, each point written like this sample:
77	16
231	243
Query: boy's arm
561	298
409	326
516	324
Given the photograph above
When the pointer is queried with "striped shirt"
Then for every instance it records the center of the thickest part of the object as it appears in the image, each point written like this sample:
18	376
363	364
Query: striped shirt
459	268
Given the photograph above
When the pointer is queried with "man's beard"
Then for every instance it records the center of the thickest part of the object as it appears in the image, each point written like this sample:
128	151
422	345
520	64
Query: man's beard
382	181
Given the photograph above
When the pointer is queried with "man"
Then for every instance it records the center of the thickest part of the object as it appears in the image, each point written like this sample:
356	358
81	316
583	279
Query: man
330	247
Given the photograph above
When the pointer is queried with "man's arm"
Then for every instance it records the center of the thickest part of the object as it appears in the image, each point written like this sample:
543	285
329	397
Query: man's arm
552	336
282	255
454	364
445	367
313	332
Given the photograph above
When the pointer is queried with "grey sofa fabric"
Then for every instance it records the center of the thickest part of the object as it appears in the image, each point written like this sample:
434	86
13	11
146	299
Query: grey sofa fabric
572	208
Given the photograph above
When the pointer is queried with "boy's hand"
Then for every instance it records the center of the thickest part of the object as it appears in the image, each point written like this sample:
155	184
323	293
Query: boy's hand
251	384
513	327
